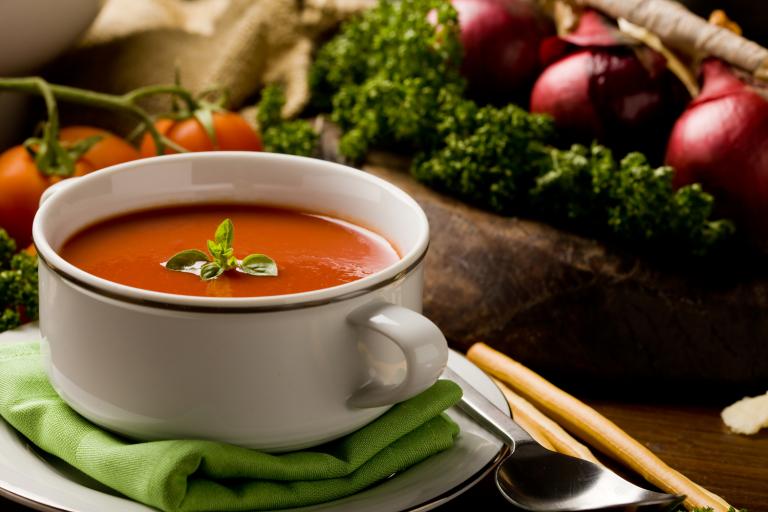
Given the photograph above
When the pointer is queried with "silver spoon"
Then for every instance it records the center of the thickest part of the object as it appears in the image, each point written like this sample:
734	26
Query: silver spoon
534	478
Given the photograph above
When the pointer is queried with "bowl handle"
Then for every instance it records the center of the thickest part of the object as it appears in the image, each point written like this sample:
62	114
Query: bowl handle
422	343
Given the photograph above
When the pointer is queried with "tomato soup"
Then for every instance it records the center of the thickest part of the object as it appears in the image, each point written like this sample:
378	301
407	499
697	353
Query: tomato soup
311	251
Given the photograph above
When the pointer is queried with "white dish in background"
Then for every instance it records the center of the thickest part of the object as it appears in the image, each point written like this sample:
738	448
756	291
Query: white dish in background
43	482
32	32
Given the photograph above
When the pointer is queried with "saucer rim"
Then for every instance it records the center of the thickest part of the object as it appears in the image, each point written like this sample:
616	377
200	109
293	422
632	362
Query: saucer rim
466	485
432	503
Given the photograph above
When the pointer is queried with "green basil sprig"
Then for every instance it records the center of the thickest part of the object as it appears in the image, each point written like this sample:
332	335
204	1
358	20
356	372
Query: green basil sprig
222	258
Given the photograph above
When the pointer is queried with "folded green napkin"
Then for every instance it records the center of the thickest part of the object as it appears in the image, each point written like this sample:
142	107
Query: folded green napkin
193	475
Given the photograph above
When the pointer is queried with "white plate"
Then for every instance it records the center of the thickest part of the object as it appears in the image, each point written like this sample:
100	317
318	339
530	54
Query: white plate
43	482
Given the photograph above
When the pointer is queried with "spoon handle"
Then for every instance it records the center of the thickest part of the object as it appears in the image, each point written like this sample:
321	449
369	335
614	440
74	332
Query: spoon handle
479	408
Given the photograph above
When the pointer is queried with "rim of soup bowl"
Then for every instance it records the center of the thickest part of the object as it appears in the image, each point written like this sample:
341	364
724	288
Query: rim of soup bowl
195	303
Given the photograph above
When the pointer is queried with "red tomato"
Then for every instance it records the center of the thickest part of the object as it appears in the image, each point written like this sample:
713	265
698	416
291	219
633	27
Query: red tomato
110	150
21	184
232	133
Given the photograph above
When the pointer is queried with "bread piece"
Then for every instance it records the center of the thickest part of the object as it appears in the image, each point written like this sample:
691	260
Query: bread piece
748	415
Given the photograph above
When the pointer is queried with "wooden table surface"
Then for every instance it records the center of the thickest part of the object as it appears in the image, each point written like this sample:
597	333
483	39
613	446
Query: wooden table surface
690	439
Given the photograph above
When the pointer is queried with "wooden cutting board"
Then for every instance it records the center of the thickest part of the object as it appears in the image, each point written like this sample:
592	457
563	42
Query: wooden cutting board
581	311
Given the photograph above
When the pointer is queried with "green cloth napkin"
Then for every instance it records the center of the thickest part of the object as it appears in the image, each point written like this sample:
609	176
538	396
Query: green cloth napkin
193	475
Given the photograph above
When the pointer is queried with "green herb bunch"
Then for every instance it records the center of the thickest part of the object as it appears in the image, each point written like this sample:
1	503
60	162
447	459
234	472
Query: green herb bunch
391	79
18	284
296	137
391	75
709	509
489	157
629	200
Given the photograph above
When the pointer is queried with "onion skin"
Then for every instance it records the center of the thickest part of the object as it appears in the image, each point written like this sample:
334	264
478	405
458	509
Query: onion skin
501	41
563	91
721	141
620	95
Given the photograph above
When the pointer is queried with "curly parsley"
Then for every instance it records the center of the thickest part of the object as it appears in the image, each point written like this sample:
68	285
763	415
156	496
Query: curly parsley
391	79
296	137
630	200
709	509
489	159
390	75
18	284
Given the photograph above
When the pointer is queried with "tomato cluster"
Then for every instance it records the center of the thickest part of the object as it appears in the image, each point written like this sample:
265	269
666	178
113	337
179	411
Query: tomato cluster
22	183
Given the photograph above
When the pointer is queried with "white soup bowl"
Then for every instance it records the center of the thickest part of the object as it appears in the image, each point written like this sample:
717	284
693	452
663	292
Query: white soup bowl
274	373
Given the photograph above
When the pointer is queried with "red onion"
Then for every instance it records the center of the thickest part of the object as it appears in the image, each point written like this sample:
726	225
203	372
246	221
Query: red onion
601	86
501	46
721	141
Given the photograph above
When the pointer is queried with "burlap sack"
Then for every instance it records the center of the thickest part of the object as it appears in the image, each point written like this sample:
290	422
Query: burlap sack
236	44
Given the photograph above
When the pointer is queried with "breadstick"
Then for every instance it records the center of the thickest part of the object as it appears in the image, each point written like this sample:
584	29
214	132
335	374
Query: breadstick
532	428
592	427
558	439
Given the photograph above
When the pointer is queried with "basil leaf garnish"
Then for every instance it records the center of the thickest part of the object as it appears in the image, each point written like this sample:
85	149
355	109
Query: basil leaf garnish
214	248
210	270
258	265
228	259
225	233
222	258
187	261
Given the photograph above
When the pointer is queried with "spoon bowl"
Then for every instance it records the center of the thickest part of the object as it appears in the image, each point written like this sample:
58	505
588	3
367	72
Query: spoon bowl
534	478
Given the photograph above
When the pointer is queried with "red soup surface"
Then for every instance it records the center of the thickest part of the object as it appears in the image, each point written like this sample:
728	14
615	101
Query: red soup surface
312	251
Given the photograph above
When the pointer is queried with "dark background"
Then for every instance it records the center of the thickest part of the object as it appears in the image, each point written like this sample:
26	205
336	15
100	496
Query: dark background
751	15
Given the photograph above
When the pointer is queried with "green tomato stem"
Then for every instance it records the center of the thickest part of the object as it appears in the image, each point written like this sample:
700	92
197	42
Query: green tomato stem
121	103
50	103
50	157
150	90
